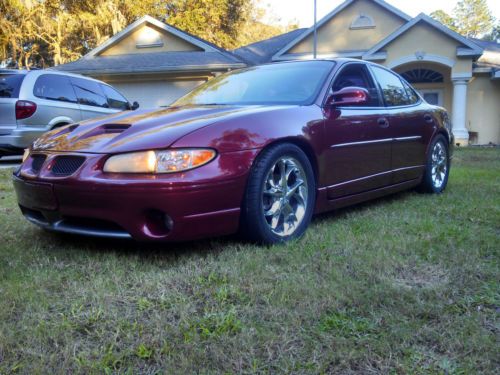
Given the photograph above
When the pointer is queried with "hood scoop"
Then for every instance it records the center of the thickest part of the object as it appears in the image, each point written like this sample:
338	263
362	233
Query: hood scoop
107	129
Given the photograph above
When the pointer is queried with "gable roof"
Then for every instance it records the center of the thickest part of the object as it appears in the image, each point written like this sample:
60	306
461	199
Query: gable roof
209	58
263	51
471	48
204	45
332	14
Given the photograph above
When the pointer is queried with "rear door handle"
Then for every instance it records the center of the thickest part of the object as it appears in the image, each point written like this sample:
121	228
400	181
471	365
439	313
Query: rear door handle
382	122
428	118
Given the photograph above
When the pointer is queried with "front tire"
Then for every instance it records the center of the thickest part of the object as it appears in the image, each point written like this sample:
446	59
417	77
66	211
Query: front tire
437	167
280	195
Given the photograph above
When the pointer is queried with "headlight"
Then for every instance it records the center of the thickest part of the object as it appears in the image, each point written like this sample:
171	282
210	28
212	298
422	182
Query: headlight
26	154
168	161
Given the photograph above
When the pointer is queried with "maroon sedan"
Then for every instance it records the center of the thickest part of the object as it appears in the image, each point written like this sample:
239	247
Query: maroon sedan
258	150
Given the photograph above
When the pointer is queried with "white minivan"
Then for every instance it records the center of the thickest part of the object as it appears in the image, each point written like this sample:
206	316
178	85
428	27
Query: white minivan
33	102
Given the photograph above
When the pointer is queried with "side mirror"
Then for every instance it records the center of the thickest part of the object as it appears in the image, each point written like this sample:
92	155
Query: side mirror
349	96
134	106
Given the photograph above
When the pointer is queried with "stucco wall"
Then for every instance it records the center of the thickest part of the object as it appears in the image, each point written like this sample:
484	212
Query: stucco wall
483	108
432	44
129	44
336	35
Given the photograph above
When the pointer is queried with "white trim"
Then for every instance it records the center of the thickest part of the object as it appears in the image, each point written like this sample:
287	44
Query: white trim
153	21
421	58
495	74
461	76
329	16
357	22
472	50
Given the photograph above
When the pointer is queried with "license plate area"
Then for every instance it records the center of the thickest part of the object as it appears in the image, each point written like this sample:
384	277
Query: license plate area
35	195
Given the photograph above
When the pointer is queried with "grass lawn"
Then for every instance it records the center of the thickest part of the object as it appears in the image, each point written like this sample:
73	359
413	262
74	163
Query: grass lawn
406	284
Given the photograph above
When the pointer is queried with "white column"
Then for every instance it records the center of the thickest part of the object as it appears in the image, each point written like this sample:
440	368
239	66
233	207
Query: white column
458	113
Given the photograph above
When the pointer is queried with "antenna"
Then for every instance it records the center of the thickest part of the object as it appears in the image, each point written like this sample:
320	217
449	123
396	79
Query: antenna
315	48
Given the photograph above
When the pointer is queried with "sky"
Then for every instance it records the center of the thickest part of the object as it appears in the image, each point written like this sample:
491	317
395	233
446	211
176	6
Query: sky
302	10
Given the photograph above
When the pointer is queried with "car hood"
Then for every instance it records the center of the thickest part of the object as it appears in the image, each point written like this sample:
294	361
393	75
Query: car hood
138	130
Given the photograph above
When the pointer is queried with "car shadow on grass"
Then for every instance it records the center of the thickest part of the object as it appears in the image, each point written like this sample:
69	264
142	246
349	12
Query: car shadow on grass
197	248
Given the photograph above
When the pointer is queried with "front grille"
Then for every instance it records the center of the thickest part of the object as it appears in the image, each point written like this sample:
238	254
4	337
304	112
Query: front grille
67	165
37	162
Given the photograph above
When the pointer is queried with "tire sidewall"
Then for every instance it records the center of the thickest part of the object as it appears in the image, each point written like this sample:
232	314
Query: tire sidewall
429	185
255	224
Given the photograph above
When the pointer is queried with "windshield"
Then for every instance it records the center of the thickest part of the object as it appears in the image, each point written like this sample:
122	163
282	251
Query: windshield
287	83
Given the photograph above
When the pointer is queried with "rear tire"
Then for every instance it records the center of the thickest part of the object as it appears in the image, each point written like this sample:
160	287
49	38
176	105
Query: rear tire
437	167
280	196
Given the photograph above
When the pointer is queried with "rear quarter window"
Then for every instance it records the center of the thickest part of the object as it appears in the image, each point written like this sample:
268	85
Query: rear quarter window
54	87
10	84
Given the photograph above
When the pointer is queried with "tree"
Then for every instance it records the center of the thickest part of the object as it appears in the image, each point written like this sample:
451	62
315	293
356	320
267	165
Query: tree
50	32
471	18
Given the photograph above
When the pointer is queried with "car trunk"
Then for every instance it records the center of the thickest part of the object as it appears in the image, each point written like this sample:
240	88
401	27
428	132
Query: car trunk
10	85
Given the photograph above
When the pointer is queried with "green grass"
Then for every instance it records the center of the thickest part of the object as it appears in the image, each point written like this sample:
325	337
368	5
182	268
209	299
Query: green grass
405	284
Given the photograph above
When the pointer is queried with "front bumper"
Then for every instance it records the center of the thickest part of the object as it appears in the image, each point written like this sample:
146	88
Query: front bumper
20	137
147	208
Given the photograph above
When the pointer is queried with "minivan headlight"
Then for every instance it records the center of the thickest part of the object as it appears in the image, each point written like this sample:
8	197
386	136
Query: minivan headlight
166	161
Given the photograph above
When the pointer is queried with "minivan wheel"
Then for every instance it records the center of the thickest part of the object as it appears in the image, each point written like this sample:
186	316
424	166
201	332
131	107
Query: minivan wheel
437	167
280	195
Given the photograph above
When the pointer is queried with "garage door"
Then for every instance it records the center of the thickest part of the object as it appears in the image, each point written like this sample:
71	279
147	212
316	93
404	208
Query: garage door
154	94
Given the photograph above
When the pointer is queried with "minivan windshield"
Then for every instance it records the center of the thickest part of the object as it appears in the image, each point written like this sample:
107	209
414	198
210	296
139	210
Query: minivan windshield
10	84
285	83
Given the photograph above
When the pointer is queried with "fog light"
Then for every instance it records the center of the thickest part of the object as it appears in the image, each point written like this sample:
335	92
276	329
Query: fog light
158	223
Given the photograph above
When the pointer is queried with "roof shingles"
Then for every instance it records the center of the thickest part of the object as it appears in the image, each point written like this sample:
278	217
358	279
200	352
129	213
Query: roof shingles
152	63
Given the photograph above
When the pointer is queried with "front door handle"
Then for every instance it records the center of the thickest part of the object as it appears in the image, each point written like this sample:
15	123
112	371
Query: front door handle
383	122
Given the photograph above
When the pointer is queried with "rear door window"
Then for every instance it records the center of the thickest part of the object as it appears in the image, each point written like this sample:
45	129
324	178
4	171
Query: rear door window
392	88
54	87
89	93
115	99
10	84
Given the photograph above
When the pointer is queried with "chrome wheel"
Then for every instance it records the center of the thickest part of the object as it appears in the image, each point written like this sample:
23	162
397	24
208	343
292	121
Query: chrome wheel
284	198
439	165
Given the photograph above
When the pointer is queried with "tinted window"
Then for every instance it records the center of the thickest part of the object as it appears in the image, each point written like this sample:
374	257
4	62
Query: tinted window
115	99
392	88
357	75
54	87
287	83
89	93
410	92
10	84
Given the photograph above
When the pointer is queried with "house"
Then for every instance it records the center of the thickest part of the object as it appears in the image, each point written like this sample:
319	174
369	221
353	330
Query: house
461	74
154	63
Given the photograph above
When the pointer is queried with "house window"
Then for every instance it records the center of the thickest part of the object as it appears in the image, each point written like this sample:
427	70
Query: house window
149	38
433	96
363	21
422	76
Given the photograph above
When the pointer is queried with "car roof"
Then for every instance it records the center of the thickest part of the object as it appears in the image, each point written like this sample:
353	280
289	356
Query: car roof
13	71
